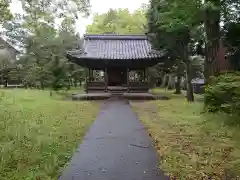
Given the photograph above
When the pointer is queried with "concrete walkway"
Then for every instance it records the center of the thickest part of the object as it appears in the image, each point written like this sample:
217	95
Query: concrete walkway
116	147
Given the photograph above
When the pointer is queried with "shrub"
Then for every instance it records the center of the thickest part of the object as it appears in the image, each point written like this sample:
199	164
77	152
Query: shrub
223	94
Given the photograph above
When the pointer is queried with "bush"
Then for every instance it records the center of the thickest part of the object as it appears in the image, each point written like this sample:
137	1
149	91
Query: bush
223	94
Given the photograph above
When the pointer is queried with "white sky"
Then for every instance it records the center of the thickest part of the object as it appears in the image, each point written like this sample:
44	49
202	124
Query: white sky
98	6
102	6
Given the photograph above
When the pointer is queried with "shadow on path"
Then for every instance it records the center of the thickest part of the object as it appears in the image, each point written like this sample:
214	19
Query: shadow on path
117	147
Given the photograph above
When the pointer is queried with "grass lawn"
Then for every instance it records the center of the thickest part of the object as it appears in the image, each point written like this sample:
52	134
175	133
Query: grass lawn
191	144
39	133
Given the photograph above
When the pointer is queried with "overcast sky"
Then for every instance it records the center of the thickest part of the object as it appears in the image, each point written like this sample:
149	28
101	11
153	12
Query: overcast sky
98	6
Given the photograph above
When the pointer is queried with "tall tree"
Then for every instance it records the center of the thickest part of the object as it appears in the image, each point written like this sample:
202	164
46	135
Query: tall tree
44	63
170	25
212	28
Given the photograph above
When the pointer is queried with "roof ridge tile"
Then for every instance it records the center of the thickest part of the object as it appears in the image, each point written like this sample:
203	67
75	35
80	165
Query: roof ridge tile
115	37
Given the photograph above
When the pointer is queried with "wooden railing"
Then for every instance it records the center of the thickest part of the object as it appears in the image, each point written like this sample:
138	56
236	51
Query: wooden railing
138	86
99	86
93	86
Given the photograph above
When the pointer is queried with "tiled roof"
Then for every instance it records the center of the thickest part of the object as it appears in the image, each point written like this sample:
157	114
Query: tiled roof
109	46
4	43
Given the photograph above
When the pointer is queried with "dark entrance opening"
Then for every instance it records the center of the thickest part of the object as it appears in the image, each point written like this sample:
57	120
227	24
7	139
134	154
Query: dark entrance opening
117	76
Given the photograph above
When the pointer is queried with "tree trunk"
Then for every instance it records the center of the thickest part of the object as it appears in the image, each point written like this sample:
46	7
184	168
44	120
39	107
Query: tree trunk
212	29
75	82
41	84
178	85
171	82
164	81
69	83
190	96
2	78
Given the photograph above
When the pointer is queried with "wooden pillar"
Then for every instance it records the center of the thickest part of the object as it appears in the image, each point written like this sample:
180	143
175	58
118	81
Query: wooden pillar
86	80
146	75
147	78
106	79
90	74
128	79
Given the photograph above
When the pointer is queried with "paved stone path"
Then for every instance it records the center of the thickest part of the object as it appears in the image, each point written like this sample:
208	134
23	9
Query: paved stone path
117	147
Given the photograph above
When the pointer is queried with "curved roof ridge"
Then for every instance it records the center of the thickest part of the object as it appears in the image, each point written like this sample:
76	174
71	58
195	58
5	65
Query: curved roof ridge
108	36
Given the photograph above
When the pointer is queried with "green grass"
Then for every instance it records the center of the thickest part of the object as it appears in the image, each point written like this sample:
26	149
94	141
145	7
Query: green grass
191	144
39	133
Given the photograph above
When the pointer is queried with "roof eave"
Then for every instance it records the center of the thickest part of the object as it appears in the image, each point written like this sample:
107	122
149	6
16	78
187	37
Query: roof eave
96	58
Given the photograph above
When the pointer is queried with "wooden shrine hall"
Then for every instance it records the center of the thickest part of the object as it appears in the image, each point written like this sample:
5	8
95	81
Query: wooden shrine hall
116	56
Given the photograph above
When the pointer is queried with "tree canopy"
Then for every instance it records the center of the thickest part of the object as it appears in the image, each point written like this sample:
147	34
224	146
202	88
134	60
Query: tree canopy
5	13
120	21
43	62
195	27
